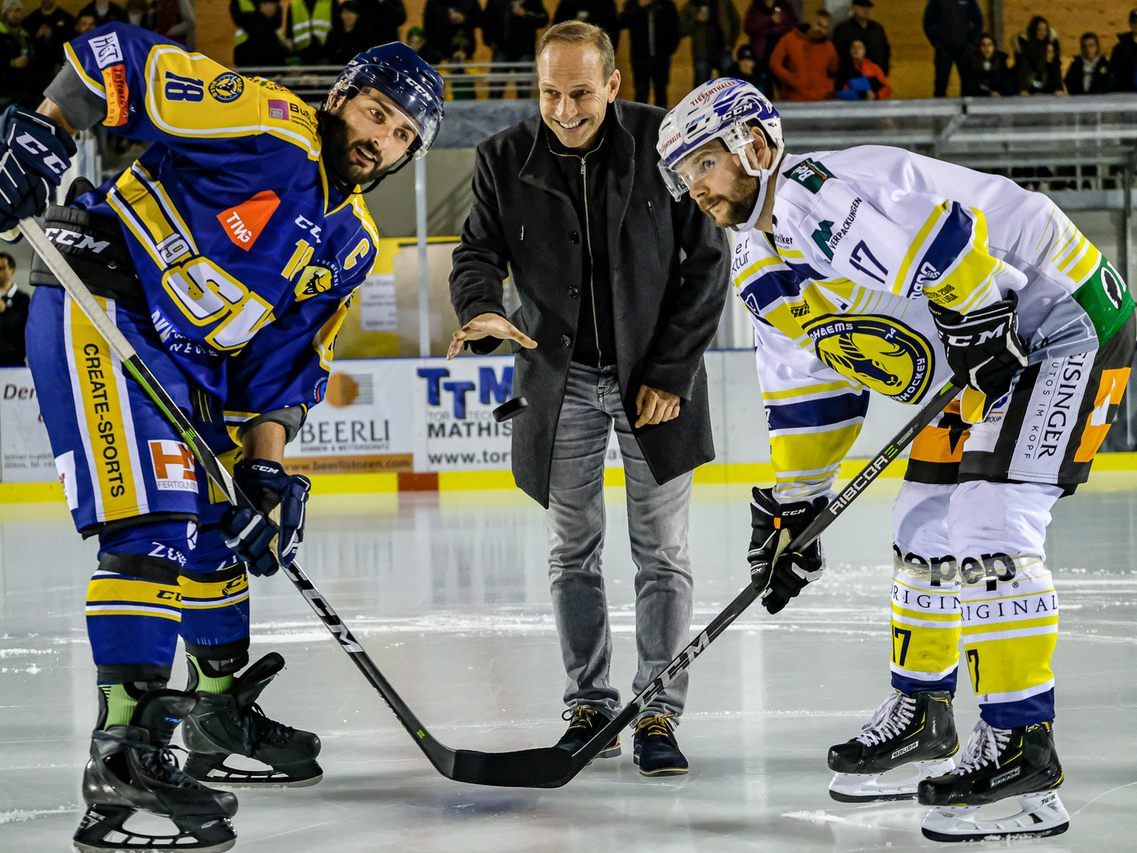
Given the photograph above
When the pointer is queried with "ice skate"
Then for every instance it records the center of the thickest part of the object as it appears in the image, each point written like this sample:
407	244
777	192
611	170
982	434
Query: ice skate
1018	764
232	723
909	738
132	769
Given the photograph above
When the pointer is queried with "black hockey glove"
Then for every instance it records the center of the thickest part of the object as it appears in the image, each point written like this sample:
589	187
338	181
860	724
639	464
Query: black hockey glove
34	154
782	574
250	532
984	350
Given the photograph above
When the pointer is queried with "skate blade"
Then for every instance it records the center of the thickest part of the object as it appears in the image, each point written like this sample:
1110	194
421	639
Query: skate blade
102	830
1038	815
900	783
268	780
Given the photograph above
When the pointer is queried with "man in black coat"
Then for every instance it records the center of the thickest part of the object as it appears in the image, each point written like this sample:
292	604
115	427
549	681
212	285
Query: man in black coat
1123	60
653	26
509	29
953	27
612	329
1089	72
860	25
13	315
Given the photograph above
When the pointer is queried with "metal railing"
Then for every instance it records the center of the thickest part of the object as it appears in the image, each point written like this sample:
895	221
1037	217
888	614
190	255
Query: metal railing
460	80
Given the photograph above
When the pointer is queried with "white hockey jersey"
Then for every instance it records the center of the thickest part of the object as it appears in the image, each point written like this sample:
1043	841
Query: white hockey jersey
838	290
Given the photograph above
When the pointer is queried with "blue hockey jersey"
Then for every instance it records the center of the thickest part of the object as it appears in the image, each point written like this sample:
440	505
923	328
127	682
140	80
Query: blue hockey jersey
246	253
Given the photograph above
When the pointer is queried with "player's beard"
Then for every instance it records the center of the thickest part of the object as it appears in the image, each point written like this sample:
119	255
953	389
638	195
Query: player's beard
338	148
735	207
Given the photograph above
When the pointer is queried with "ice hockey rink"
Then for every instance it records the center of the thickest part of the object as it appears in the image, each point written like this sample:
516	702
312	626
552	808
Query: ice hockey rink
449	595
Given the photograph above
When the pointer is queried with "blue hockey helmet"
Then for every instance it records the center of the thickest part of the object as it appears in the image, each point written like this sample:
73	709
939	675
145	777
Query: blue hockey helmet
722	109
403	76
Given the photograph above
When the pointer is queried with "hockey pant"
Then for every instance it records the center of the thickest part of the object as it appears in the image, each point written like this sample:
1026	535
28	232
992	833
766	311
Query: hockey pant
164	569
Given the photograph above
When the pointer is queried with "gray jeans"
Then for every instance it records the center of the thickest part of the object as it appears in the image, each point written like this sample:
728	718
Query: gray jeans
657	527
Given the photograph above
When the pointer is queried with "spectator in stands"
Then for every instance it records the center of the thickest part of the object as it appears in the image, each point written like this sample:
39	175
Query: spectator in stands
461	87
259	41
416	38
509	29
350	35
953	27
84	23
766	22
309	26
104	12
804	61
49	27
602	13
19	74
653	26
1123	60
860	25
1089	72
746	68
859	78
13	314
141	14
1035	72
444	21
380	18
713	26
175	20
990	75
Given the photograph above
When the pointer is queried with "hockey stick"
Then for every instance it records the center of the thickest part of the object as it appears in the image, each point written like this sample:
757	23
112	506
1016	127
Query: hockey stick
744	599
528	768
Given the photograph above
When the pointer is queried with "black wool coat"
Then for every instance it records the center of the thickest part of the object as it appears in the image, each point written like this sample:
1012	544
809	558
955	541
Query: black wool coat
666	305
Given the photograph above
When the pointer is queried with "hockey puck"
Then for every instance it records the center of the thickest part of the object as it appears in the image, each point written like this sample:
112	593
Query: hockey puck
509	409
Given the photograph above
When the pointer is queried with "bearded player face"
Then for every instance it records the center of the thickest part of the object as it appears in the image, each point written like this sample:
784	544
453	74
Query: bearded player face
366	135
718	183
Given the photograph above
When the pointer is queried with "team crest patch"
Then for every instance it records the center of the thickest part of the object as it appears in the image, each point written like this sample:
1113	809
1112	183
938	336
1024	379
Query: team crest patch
810	174
881	353
173	463
227	87
314	280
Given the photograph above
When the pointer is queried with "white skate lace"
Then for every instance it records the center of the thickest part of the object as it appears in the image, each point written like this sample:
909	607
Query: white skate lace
890	719
984	747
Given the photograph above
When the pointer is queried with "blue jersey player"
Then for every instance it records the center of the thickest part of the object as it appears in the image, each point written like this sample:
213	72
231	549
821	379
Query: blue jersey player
227	254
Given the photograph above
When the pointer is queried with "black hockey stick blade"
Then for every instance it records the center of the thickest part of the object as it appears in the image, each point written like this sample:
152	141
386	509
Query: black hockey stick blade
528	768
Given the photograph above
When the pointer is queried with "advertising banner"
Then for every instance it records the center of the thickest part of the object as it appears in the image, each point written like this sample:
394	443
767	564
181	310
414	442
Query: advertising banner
25	455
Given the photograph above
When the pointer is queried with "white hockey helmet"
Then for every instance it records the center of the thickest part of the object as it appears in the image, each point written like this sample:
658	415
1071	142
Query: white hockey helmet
719	109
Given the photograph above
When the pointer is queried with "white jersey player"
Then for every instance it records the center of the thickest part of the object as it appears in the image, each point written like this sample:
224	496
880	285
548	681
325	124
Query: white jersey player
877	270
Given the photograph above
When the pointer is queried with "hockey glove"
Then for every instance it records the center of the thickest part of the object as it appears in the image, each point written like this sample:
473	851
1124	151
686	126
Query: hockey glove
984	352
249	530
34	154
781	574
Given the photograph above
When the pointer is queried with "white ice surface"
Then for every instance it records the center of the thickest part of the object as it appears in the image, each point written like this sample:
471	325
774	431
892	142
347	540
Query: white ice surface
449	596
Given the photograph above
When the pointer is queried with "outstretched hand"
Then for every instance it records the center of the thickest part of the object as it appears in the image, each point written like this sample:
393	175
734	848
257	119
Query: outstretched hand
488	326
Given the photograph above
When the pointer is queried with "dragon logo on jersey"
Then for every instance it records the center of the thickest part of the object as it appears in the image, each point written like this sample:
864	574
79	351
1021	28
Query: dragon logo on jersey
227	87
881	353
314	280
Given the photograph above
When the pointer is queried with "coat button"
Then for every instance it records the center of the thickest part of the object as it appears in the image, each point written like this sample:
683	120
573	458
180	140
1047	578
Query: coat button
574	238
565	340
574	292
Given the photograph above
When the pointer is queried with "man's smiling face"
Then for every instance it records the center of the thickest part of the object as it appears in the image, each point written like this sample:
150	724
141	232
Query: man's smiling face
575	92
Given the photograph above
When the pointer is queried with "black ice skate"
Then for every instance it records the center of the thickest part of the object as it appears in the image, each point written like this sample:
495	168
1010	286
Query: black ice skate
909	738
233	724
132	769
998	764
